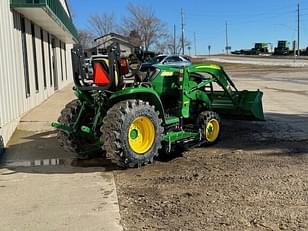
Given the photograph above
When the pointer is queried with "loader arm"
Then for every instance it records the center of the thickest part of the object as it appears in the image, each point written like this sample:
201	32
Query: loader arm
239	104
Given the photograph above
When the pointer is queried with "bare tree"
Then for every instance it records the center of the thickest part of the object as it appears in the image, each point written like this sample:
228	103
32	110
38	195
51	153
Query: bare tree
85	38
143	21
162	45
187	44
134	38
102	24
178	44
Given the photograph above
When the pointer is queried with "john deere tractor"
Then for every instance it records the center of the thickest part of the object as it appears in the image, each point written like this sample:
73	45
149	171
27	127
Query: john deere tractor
170	106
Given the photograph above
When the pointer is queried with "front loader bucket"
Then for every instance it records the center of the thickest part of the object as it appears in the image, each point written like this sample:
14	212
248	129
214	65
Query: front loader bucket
244	105
250	105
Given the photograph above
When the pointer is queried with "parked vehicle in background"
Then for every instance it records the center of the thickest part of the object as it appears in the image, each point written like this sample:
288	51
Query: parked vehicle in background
258	49
282	48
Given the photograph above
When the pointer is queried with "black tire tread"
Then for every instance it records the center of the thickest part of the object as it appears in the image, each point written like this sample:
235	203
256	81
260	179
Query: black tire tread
112	128
71	142
204	118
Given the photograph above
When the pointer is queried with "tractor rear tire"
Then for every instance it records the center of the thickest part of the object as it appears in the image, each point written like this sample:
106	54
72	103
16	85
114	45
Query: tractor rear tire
210	124
76	143
132	133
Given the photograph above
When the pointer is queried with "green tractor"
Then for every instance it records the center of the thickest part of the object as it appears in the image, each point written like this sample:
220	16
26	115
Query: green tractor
170	106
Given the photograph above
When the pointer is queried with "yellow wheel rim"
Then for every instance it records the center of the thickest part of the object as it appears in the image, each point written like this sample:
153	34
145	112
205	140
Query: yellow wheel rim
141	135
212	130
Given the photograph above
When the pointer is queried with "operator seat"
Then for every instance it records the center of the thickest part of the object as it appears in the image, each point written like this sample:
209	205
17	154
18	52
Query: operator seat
106	74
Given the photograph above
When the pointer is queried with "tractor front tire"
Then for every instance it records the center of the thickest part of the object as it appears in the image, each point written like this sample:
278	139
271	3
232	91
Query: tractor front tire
210	125
132	133
75	143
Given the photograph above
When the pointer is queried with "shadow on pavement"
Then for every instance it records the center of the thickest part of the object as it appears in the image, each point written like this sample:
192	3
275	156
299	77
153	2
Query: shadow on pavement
41	153
280	134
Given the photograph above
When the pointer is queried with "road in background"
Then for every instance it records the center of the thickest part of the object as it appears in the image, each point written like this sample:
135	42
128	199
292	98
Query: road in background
259	60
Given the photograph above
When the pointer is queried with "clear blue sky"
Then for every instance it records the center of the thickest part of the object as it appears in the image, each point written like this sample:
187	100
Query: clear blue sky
249	21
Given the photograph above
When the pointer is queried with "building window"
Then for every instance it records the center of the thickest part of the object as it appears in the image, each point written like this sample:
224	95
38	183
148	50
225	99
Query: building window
43	58
61	61
34	58
50	62
25	56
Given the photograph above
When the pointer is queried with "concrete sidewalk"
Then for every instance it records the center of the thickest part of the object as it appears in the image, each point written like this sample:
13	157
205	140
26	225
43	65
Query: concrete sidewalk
40	190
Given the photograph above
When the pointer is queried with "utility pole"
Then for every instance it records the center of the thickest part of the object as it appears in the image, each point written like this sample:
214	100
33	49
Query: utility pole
195	42
174	39
182	24
227	43
298	52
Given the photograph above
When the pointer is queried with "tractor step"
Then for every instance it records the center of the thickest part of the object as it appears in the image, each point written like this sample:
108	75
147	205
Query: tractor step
62	127
172	120
172	137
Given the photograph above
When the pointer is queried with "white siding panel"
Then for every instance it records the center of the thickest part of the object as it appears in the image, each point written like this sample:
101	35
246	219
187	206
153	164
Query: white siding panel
11	71
7	110
18	61
38	48
2	79
13	101
50	82
14	76
47	73
30	64
69	47
58	56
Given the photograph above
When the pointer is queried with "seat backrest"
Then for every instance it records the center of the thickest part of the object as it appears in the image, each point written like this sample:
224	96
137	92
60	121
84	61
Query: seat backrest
106	74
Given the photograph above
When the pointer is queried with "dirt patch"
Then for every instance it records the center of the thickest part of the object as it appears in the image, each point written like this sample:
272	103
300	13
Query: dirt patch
241	183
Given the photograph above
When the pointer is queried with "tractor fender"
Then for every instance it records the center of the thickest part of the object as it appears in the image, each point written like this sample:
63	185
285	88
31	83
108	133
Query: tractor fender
143	93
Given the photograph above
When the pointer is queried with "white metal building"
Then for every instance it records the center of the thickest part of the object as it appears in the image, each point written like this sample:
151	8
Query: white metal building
36	37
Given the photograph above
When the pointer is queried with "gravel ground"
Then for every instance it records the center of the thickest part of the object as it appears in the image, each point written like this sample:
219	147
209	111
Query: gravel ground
254	178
